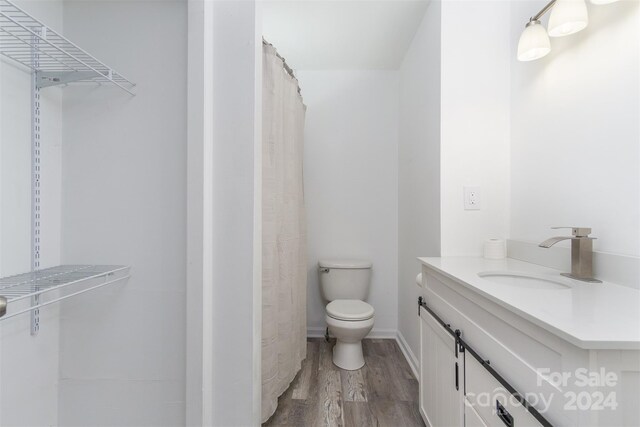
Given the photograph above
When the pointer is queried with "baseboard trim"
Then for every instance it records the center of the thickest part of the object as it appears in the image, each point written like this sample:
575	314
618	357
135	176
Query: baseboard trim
412	360
382	334
408	354
375	333
315	332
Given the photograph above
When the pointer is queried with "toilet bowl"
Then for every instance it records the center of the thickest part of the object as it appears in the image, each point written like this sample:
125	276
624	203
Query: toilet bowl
349	320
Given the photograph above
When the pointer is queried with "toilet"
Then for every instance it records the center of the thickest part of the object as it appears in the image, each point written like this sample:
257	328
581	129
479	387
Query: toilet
345	285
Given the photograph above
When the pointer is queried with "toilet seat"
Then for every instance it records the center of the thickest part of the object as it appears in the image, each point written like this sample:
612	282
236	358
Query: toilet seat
349	310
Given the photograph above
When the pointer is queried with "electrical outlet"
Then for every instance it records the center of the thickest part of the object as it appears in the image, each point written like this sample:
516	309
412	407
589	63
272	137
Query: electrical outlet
471	198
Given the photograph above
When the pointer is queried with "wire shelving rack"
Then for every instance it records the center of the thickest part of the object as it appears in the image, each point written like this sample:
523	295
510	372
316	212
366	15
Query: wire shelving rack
54	59
82	278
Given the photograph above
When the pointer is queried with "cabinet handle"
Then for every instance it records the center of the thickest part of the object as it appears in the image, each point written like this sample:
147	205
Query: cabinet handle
457	386
504	415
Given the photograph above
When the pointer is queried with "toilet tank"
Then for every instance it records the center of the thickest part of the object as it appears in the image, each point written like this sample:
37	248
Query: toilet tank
344	278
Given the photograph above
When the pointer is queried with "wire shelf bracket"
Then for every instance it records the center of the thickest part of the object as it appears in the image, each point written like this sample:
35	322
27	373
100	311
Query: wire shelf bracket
58	61
39	284
35	187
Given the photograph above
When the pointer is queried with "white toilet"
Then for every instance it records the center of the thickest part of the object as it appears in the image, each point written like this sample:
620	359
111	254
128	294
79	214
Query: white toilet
345	284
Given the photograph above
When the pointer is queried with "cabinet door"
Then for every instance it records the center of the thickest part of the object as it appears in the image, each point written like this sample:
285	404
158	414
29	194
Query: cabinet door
471	417
492	402
440	396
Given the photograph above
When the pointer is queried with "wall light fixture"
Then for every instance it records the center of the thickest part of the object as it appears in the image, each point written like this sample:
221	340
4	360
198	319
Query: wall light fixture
567	17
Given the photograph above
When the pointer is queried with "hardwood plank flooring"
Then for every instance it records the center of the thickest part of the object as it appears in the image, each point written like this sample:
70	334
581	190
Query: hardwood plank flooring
353	386
382	393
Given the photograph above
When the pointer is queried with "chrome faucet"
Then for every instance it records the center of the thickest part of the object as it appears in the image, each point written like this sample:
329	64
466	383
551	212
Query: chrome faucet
581	253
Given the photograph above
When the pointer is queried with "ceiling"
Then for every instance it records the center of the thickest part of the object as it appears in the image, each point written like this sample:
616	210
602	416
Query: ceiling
342	34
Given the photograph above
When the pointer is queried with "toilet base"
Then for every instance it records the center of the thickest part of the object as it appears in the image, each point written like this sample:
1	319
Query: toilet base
348	355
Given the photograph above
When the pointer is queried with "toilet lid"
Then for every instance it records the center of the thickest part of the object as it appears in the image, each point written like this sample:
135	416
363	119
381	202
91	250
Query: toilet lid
349	309
344	263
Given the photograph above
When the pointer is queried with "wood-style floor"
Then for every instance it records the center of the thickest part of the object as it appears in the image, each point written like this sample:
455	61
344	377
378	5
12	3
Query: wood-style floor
382	393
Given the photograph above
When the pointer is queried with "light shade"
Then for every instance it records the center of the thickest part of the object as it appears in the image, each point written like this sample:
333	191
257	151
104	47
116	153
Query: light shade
568	17
603	1
534	42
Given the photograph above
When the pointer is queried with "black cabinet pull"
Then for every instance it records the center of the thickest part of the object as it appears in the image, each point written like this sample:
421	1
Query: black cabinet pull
457	387
504	415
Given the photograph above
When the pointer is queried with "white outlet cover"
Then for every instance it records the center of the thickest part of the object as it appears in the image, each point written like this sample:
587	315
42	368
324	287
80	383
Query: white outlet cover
472	198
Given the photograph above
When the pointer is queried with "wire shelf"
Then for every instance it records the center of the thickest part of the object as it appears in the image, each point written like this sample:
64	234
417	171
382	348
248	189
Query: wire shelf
55	59
29	285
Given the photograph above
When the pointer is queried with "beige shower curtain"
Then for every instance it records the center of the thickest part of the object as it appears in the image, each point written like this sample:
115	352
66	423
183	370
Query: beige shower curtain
284	252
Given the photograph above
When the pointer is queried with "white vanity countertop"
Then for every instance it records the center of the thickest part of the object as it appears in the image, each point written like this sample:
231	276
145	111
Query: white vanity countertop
588	315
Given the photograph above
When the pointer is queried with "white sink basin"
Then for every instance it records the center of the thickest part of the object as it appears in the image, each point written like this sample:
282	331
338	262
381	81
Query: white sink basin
524	280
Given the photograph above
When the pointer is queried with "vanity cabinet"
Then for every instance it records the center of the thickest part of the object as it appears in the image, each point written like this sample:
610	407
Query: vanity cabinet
566	385
455	390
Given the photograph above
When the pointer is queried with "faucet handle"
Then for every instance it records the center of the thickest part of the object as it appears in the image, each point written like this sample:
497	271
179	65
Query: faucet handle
576	231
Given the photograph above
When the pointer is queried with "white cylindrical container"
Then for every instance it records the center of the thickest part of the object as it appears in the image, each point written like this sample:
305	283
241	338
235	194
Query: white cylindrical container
494	249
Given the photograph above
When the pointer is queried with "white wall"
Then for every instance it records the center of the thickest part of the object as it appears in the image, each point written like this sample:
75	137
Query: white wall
15	166
236	117
342	35
454	131
199	83
575	138
15	158
418	167
224	214
476	54
29	364
351	175
122	357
